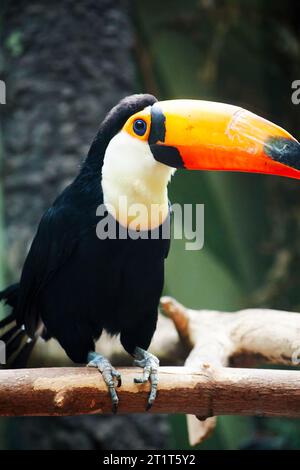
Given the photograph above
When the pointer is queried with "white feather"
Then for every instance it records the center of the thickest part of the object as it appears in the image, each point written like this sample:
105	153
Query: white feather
130	171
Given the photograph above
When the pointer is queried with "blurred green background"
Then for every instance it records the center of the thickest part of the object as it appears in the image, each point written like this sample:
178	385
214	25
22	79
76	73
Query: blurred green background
247	53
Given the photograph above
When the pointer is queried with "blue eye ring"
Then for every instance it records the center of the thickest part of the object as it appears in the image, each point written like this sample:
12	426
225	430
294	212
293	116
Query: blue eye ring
139	127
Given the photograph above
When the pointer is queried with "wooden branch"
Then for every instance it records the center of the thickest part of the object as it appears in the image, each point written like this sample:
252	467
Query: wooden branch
221	391
218	339
209	342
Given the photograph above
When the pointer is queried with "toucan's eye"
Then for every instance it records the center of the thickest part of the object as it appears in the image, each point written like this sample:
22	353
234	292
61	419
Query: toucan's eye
139	126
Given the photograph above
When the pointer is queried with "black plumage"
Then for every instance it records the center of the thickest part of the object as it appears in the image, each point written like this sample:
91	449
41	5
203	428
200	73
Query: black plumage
73	284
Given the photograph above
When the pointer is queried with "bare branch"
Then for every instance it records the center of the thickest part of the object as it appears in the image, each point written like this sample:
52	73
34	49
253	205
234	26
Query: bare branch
208	341
221	391
242	338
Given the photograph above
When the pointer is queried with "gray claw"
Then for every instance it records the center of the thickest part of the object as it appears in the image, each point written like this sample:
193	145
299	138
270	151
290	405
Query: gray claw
150	364
118	377
115	408
109	375
153	392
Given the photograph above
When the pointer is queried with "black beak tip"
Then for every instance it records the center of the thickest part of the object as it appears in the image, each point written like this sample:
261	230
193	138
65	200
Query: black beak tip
283	150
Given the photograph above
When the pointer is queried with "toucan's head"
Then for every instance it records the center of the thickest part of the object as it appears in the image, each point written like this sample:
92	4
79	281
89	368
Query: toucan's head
201	135
145	139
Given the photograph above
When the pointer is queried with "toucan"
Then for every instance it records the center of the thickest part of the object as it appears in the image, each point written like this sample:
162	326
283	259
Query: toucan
75	283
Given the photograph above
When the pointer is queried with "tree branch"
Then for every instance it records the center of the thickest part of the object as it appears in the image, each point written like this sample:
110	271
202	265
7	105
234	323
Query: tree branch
206	387
242	338
222	391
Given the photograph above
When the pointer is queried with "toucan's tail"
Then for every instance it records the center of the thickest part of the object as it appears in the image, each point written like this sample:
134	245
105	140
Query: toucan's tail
15	342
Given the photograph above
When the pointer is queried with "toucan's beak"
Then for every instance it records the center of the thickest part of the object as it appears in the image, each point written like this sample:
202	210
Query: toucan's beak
202	135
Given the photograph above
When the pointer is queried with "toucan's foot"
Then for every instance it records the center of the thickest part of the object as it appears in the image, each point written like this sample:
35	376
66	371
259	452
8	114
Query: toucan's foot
110	375
150	364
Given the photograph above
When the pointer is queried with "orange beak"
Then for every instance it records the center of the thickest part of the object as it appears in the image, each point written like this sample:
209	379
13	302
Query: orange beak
202	135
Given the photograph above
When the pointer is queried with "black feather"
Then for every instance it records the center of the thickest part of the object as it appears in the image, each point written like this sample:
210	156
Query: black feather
78	285
10	295
15	343
6	337
23	355
7	320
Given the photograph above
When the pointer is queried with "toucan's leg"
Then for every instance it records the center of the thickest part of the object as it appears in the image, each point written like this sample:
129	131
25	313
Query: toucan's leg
109	374
150	364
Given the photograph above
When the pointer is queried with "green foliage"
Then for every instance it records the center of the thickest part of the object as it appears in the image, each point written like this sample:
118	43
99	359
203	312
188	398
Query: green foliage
14	44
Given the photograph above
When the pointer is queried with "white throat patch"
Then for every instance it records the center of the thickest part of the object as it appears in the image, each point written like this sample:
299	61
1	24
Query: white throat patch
130	170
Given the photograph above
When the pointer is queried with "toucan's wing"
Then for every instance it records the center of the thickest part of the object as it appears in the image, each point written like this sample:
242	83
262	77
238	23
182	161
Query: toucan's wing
69	220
